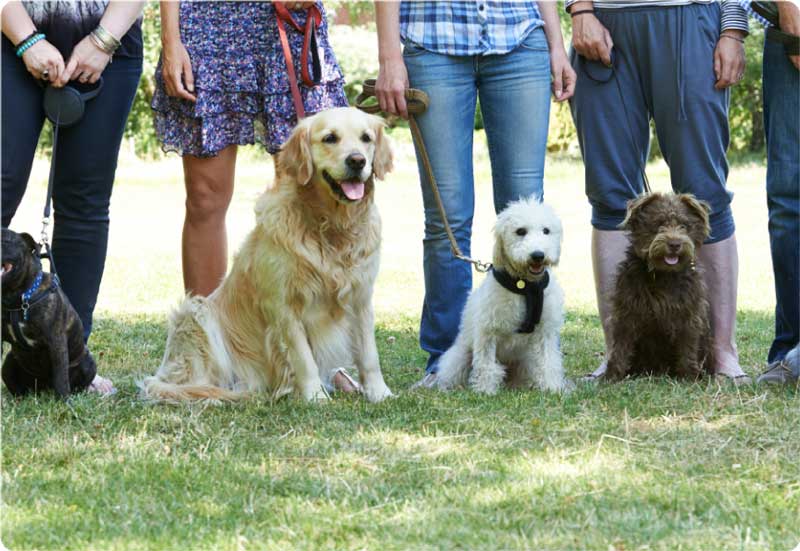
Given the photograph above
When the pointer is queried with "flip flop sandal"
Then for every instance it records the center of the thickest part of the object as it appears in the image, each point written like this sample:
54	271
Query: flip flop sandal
102	386
735	380
355	384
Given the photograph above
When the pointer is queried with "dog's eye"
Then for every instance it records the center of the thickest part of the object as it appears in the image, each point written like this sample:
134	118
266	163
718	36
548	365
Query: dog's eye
546	231
330	138
522	231
365	138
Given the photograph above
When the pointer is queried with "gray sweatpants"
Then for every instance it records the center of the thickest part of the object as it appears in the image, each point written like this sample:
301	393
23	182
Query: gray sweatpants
664	70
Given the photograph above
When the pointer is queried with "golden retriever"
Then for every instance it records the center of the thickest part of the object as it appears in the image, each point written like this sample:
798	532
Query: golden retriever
297	303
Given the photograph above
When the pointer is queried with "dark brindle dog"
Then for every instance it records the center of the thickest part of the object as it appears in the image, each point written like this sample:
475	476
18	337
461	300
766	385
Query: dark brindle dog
660	309
46	335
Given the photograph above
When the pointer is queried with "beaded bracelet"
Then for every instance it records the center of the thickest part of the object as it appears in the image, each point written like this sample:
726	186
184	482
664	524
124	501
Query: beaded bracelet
28	43
24	40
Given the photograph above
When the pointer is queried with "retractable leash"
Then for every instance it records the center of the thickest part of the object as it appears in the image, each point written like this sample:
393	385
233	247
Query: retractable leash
63	107
417	102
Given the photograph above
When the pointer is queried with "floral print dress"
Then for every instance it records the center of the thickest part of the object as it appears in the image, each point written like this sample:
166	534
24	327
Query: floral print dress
240	80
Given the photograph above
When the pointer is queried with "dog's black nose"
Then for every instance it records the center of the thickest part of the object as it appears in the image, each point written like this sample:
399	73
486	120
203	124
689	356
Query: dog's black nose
674	246
537	256
355	161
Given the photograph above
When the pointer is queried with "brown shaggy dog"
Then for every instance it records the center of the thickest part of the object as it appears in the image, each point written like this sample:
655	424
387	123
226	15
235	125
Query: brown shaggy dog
660	312
297	303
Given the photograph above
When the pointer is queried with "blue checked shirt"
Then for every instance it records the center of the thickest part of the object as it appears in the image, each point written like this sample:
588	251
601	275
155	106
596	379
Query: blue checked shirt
468	27
749	9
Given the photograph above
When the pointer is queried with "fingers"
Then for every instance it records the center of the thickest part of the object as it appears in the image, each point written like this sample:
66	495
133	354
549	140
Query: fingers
400	103
569	80
558	84
795	59
66	74
188	77
608	44
173	83
717	64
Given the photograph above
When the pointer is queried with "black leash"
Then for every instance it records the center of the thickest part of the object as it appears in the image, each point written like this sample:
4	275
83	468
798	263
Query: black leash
48	253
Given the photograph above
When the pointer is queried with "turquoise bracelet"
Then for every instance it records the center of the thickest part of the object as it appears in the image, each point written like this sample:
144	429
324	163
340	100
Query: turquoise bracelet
28	43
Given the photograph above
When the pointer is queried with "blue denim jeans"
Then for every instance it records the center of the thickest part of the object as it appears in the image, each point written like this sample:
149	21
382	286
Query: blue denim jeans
781	113
514	93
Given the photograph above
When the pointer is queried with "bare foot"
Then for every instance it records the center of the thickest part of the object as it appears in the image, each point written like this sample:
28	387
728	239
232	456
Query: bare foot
102	386
343	382
727	364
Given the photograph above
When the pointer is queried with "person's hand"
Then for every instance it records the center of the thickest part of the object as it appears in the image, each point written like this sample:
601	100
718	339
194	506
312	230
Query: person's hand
564	76
729	59
391	86
42	57
789	15
176	69
590	38
86	63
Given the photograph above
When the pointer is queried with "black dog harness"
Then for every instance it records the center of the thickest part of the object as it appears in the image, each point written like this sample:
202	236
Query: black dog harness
533	291
16	313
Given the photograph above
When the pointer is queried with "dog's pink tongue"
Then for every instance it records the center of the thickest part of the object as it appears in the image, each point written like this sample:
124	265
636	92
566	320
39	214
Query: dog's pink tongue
353	190
671	260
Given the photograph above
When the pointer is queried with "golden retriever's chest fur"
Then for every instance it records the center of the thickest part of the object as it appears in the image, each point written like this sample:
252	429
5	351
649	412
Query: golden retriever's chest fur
314	265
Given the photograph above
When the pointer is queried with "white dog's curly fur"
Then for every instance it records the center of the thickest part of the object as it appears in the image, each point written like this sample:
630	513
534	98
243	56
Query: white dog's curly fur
488	349
297	303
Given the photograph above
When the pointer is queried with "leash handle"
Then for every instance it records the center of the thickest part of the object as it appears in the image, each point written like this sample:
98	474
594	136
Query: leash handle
418	102
313	20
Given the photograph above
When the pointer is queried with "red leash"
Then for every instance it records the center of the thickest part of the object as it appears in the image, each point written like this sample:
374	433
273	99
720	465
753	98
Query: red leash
313	20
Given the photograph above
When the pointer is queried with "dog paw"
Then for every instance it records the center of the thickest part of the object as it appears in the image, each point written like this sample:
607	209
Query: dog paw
377	392
315	394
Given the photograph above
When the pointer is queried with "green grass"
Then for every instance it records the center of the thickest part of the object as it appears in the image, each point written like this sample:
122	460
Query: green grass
650	464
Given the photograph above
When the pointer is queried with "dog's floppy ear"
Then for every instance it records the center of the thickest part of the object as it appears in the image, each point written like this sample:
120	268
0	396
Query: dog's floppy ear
635	207
294	159
383	162
700	209
31	243
499	257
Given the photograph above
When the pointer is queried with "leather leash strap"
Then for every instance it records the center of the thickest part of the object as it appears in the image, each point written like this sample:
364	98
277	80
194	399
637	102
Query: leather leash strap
417	102
313	20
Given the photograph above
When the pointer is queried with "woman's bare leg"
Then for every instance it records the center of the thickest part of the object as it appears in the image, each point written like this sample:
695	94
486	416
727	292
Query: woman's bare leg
209	188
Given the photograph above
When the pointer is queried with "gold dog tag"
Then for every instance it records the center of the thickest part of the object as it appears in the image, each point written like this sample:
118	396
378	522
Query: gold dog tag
520	284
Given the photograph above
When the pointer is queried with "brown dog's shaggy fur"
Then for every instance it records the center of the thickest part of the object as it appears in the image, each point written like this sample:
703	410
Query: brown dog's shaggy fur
660	309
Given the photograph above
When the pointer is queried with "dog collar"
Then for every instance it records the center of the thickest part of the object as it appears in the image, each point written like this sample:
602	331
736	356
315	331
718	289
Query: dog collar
32	295
533	291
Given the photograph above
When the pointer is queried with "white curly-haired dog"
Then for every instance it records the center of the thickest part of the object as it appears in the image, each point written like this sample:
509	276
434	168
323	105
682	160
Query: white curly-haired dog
511	324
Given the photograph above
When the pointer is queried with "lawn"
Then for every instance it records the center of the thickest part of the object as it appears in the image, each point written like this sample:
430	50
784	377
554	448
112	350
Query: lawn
650	464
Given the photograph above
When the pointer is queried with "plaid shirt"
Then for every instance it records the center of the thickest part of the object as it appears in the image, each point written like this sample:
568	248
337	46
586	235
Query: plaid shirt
468	27
749	9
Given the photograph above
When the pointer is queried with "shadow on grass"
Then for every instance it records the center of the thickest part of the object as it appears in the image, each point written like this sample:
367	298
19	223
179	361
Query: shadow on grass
647	462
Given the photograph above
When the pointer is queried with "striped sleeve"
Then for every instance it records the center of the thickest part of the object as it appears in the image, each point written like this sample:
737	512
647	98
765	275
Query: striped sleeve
734	17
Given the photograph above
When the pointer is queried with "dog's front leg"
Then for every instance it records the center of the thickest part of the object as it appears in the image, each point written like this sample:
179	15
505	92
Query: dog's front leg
487	373
620	356
59	365
366	355
306	373
547	369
